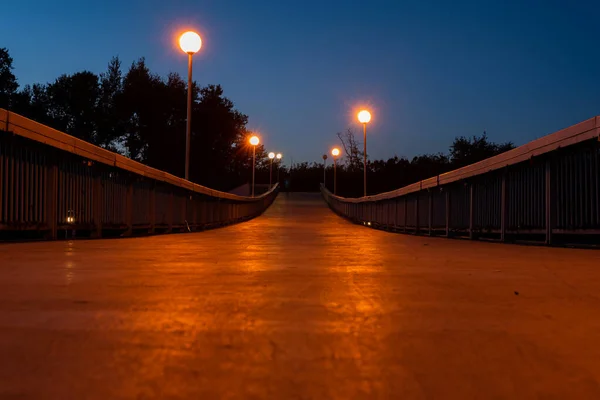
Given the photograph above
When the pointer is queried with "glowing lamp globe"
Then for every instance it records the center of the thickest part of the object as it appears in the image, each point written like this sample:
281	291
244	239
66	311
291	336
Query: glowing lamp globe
335	152
254	140
364	117
190	42
279	156
271	155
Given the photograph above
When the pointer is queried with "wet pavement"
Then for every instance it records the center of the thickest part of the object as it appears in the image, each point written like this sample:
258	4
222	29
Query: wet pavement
297	304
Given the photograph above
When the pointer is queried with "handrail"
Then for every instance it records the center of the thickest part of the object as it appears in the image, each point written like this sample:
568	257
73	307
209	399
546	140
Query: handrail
522	197
27	128
586	130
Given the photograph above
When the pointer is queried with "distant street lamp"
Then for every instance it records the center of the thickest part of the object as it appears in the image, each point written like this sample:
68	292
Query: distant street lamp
335	152
271	156
254	141
324	169
190	43
278	165
364	117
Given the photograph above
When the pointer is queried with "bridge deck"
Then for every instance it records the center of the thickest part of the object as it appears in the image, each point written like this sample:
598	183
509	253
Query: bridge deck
297	303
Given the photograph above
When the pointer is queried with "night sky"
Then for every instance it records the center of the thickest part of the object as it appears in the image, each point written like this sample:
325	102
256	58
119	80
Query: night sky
429	70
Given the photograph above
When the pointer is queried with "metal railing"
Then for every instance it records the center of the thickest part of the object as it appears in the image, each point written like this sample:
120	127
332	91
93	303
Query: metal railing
547	188
51	181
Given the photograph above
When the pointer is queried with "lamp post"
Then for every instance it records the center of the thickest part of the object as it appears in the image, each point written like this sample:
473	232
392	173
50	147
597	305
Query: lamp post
271	156
335	152
364	117
254	141
324	169
278	165
190	43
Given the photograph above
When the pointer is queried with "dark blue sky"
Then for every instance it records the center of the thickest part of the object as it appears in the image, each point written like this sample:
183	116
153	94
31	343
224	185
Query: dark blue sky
430	70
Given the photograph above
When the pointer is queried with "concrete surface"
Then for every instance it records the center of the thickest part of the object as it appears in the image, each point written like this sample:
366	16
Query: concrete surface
297	304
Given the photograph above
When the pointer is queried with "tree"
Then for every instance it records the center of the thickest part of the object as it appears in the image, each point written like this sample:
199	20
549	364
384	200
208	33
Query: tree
429	165
140	107
170	139
8	81
109	123
219	139
21	101
33	102
72	104
465	151
354	157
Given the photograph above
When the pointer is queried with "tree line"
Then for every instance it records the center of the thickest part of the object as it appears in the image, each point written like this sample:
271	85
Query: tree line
142	115
390	174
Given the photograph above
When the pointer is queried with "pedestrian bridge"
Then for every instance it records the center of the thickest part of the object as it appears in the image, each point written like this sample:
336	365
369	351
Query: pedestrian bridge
52	185
297	303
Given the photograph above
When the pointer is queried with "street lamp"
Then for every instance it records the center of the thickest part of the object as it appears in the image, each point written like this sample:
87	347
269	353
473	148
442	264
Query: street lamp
364	117
324	169
335	152
190	43
278	166
254	141
271	156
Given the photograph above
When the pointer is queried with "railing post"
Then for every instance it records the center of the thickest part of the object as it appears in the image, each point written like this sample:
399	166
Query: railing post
405	212
152	212
129	208
184	212
395	213
194	213
97	210
447	213
417	213
548	202
471	211
170	213
52	199
503	208
430	212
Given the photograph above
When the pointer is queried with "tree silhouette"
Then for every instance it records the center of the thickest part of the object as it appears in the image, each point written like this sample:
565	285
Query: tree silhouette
217	131
72	104
8	81
33	102
354	157
109	122
142	108
464	151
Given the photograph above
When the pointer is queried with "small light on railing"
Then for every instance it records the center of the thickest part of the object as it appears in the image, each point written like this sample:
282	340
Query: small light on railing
369	223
